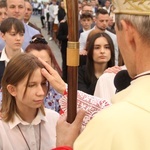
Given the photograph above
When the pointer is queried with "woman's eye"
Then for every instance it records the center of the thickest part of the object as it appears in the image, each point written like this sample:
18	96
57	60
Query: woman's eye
21	34
96	47
30	85
107	47
12	34
44	83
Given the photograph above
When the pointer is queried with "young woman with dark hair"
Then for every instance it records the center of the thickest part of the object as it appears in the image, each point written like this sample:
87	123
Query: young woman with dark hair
100	55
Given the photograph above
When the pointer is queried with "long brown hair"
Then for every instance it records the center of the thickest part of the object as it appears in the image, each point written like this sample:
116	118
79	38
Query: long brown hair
19	67
90	49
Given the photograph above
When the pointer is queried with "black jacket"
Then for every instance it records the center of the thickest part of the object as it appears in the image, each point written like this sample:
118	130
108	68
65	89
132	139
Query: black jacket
61	14
62	35
2	68
84	84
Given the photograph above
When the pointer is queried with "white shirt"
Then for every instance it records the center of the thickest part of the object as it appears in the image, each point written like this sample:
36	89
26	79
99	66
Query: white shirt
4	56
108	9
55	14
105	87
46	10
51	12
11	138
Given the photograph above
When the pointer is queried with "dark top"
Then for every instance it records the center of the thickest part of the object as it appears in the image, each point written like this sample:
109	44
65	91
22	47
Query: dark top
62	35
61	14
83	82
2	68
82	59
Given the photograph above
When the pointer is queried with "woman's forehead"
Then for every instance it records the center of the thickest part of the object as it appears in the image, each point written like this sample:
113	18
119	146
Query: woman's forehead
35	76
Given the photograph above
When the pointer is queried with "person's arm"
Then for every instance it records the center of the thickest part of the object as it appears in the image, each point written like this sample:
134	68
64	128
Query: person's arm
91	104
114	69
87	102
82	41
83	52
105	86
56	81
53	77
51	13
66	132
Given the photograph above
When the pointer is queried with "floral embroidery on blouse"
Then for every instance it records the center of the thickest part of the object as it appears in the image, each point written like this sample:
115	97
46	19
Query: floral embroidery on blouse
51	101
91	104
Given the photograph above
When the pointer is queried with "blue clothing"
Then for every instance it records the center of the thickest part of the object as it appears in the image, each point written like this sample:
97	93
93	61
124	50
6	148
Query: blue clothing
2	44
52	100
29	33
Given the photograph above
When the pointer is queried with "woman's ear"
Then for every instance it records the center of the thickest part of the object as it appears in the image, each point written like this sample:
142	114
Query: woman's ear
11	89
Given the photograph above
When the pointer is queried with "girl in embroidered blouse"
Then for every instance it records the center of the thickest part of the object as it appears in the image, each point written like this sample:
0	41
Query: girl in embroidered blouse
39	48
25	123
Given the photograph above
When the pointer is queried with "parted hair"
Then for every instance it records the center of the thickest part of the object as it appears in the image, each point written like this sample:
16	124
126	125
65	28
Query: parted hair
20	66
93	32
10	23
39	43
86	16
90	49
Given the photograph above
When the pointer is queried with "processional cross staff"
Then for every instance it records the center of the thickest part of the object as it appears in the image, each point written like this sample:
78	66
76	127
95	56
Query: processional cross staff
72	58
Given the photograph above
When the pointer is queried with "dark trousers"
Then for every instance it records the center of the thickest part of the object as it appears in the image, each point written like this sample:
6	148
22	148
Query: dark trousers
42	20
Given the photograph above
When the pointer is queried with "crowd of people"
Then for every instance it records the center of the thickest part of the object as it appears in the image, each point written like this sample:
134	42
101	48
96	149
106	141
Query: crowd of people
54	20
113	52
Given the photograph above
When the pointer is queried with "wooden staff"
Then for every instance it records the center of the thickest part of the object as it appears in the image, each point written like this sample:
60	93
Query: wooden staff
72	58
